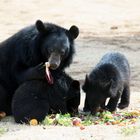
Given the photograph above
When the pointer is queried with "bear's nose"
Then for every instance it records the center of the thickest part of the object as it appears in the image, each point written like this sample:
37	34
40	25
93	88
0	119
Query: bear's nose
54	60
53	66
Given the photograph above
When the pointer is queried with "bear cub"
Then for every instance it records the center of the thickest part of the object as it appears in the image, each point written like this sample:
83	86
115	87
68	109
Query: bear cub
109	79
35	99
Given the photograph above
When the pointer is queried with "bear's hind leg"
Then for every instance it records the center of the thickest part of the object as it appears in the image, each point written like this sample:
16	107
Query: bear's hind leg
5	105
125	98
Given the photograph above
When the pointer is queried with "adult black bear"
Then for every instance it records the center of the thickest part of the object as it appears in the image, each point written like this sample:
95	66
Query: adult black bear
21	55
34	99
109	79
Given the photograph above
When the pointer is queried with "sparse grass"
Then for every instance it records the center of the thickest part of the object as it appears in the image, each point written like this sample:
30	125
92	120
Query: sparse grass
2	131
129	130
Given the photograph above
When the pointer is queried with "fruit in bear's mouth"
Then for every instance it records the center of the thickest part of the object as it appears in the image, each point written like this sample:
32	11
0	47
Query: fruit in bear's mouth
47	64
48	73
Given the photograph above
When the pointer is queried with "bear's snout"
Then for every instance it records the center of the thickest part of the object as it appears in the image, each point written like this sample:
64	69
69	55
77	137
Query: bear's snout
53	66
54	60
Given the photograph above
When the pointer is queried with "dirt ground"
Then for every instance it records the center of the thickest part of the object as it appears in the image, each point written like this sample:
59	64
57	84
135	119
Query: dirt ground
104	26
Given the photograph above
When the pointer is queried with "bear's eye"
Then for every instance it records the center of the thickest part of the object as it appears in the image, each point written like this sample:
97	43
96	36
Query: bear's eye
50	50
62	52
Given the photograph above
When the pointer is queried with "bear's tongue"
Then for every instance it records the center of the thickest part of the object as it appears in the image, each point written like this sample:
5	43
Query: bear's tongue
48	75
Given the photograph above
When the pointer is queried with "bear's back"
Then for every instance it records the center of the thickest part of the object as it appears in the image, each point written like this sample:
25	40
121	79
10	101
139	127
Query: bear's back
119	61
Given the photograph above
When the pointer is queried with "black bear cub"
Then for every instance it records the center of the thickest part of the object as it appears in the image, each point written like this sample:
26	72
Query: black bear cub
35	99
109	79
22	54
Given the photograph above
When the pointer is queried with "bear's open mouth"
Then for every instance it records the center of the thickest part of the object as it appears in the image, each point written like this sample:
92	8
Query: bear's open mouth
48	73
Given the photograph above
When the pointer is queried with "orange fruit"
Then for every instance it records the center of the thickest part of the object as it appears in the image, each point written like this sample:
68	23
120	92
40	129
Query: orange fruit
2	115
33	122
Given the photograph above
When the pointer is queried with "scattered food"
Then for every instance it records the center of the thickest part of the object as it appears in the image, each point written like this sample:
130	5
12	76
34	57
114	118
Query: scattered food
106	118
118	118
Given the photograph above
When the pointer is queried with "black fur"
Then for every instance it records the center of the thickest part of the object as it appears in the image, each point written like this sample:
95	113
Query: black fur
35	98
109	79
22	53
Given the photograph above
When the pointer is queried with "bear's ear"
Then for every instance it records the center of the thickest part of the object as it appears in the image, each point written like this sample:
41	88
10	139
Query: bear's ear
40	26
74	31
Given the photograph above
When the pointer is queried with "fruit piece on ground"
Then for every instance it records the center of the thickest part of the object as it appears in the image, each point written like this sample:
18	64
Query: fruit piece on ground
135	113
96	122
108	116
76	121
2	115
115	122
82	127
33	122
122	124
133	120
108	123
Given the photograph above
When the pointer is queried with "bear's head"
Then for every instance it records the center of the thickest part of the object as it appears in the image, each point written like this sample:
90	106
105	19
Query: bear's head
95	93
57	44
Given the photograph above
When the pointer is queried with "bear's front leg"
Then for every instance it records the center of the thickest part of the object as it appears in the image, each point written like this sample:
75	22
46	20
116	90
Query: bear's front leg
33	73
125	98
112	104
